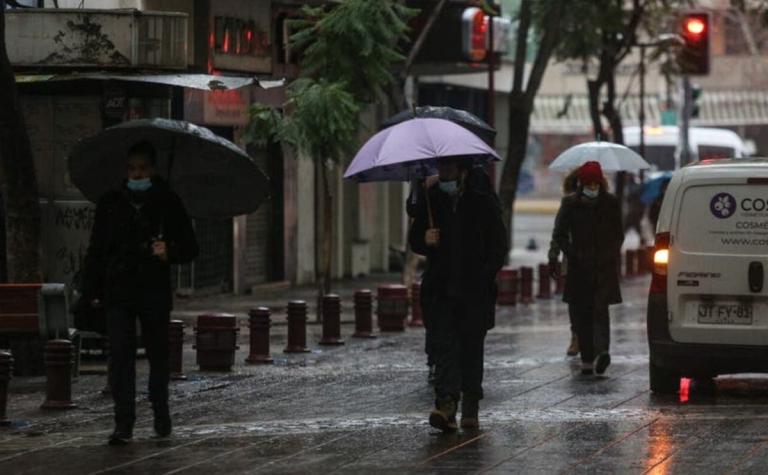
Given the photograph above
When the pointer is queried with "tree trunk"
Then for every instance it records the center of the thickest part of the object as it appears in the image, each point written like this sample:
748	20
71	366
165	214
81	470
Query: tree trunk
324	260
593	87
22	209
519	124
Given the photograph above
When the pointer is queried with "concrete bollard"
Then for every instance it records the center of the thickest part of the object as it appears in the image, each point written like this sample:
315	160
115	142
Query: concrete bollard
259	323
630	261
59	358
526	285
508	281
176	350
545	286
392	308
6	373
216	341
331	321
363	314
417	317
297	327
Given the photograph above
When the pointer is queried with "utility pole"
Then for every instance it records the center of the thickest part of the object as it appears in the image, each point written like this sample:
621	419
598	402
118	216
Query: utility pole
683	153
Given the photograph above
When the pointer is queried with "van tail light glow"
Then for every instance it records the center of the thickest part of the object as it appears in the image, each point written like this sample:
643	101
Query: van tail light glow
660	263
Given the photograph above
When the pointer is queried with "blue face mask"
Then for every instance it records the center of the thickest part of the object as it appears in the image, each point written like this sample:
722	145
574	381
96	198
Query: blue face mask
449	187
591	193
142	184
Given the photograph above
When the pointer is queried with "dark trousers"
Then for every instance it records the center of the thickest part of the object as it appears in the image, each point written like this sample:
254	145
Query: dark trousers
458	344
121	328
572	318
592	328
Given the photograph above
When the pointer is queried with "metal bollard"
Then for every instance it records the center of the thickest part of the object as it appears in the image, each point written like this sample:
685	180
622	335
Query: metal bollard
216	341
6	373
560	284
392	308
331	321
545	286
630	261
176	350
259	322
297	327
417	318
59	358
526	285
363	314
508	282
643	262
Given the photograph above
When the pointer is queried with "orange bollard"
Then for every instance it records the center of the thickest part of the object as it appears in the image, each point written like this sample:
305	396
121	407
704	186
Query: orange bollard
216	341
508	281
259	322
526	287
392	309
59	358
545	287
417	318
363	314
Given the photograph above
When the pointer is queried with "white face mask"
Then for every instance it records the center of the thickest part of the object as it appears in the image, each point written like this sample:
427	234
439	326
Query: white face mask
449	187
590	193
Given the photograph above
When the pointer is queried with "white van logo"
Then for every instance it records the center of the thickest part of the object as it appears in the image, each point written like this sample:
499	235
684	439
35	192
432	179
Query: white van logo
723	205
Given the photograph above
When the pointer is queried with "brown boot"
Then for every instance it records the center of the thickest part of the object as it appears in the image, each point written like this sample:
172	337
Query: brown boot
444	416
573	349
469	414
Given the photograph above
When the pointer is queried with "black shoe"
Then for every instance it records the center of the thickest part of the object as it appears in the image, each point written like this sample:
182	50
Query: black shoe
432	375
444	416
602	362
469	414
163	425
120	436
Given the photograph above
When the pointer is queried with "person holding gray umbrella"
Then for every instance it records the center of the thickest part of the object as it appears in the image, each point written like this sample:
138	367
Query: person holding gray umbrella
139	231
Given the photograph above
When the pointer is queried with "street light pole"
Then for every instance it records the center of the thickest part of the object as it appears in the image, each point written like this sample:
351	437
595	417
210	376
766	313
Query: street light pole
642	99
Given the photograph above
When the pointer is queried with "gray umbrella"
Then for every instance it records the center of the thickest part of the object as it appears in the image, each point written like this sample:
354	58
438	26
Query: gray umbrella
465	119
212	176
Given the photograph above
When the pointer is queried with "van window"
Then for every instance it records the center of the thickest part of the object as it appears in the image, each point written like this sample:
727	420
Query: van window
661	156
723	219
714	152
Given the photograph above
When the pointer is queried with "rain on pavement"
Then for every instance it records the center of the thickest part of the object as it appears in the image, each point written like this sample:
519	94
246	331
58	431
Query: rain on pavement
362	408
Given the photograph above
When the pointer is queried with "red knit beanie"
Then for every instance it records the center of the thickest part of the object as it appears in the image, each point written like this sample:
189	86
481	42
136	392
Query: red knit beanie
590	172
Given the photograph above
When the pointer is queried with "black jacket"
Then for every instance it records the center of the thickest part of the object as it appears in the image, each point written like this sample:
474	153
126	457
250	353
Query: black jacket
119	265
473	246
590	235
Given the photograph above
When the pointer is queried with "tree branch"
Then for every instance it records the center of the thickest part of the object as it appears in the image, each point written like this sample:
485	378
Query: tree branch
547	46
521	48
416	48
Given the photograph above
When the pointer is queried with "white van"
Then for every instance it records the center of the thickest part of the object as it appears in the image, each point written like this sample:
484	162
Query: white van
706	143
708	302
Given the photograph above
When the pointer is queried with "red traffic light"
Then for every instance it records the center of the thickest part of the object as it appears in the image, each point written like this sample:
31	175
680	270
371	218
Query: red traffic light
695	26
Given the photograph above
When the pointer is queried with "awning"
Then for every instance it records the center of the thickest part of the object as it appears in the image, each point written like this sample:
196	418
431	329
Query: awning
569	114
204	82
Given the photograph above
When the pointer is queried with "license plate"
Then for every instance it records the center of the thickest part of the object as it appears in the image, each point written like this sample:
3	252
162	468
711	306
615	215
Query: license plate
725	313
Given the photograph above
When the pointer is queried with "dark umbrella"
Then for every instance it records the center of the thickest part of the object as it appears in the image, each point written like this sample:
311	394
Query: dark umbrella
212	176
653	188
465	119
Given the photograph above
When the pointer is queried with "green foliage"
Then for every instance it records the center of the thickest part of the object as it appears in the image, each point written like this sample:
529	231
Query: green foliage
264	125
354	43
323	119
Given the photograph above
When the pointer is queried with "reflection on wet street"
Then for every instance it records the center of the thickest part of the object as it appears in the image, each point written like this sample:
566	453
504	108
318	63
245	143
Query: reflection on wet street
362	408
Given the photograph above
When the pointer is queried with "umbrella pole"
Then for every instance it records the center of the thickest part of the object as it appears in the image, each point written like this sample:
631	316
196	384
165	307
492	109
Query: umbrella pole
429	208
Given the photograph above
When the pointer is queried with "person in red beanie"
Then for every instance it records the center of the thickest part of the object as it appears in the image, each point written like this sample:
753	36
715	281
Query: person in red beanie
589	232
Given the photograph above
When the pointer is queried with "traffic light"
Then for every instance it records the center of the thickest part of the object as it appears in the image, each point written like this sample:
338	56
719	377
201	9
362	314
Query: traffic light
695	95
693	57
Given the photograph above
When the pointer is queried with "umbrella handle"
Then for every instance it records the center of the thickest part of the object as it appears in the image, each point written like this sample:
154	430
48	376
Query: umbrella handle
429	208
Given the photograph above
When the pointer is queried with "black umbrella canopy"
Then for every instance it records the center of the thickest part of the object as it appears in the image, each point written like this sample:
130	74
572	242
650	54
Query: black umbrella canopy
466	119
212	176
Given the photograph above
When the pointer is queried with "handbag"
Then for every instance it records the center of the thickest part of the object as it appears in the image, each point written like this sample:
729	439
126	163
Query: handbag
87	317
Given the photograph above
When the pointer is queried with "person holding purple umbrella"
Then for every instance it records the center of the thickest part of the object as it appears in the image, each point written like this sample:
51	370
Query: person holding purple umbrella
458	227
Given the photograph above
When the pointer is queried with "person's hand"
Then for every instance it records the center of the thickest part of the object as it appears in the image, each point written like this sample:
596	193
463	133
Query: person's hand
96	303
554	269
431	180
160	250
432	238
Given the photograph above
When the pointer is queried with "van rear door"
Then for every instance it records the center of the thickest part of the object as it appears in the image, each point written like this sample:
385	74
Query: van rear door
718	266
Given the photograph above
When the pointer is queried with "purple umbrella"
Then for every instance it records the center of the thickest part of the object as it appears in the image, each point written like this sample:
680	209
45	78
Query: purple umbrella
410	150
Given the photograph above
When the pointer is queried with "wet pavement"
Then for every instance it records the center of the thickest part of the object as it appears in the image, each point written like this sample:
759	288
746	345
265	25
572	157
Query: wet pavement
362	407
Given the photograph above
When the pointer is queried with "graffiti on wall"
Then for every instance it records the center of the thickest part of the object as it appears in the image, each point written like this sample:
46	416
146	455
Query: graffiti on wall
70	230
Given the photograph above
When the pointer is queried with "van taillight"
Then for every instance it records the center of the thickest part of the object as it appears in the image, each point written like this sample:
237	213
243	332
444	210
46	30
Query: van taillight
660	263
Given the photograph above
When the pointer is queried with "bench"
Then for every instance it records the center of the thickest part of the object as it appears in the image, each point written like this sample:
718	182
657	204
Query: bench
31	314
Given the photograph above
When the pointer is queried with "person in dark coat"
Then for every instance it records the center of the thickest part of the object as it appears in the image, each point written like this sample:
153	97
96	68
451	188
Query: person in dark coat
559	270
589	232
465	242
138	233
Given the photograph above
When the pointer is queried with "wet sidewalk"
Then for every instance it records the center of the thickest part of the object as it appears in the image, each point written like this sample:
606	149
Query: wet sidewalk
362	407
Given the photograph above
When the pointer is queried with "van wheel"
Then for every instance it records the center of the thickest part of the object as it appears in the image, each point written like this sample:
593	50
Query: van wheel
663	381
